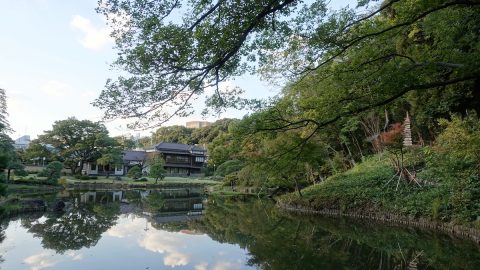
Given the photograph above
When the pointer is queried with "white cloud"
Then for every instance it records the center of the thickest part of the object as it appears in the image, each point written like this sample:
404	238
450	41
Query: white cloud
40	261
94	37
55	88
201	266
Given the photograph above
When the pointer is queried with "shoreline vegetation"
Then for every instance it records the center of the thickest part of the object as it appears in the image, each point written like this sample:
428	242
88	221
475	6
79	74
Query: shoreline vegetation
367	192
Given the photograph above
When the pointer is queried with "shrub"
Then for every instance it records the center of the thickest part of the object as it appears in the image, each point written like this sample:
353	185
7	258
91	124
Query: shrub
143	179
135	172
34	181
93	177
84	177
21	172
229	167
53	171
230	180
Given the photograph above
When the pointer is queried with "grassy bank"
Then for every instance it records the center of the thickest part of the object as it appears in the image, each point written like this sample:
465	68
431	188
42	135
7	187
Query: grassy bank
369	187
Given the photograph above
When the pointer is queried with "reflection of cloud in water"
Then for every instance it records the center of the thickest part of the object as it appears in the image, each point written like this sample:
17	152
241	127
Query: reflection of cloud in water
126	227
224	265
173	246
74	256
40	261
175	259
201	266
165	243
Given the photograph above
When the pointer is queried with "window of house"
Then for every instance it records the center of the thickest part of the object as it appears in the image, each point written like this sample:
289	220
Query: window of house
119	168
93	167
176	159
199	159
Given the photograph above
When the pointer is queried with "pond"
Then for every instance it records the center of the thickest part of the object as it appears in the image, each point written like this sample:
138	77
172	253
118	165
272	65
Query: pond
181	229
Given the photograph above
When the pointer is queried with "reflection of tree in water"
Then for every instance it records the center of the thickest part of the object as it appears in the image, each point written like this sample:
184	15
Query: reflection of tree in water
278	241
3	226
153	202
75	229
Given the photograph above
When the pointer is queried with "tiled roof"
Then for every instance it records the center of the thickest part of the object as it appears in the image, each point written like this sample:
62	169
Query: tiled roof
134	155
177	147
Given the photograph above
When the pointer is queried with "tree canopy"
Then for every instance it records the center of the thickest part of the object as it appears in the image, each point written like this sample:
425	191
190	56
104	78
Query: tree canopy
382	51
77	141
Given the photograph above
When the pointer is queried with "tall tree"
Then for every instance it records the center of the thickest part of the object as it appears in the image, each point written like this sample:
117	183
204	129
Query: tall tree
77	141
3	166
11	160
4	124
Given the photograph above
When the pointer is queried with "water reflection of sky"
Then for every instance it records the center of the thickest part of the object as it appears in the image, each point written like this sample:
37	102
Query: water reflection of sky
131	244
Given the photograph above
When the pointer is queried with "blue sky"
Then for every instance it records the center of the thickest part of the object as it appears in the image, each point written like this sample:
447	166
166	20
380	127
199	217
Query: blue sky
55	57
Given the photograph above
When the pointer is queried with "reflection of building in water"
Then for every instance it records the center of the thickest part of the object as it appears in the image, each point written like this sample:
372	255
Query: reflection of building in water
101	196
187	201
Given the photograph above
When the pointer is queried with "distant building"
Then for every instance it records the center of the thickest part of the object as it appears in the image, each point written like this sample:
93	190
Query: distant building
180	160
129	158
198	124
22	142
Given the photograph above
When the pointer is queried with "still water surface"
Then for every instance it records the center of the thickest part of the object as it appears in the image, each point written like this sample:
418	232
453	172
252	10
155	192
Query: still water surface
163	230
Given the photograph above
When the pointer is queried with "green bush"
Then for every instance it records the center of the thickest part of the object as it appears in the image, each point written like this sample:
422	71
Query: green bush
135	172
229	167
34	181
53	171
21	172
230	180
453	162
143	179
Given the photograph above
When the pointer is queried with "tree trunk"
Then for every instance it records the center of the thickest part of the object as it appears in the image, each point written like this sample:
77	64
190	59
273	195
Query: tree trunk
8	174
